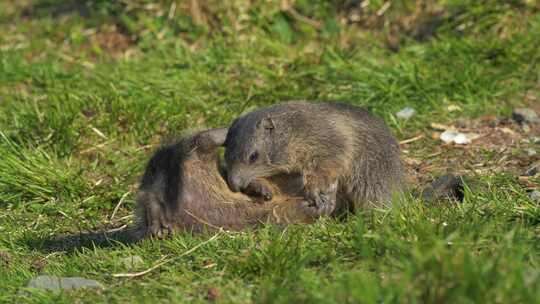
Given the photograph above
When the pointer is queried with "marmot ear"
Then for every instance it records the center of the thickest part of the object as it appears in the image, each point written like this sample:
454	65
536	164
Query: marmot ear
266	123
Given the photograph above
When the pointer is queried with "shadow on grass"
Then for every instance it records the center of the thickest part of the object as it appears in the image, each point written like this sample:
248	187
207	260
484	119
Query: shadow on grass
75	242
56	8
444	188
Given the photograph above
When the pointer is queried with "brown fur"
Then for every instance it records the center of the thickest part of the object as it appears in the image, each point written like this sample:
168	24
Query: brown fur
182	189
333	146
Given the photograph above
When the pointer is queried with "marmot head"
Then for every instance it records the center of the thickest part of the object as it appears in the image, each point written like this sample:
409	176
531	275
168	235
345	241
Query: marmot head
255	147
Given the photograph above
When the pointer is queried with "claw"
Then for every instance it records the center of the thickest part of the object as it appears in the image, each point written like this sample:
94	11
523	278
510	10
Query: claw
323	202
265	193
259	190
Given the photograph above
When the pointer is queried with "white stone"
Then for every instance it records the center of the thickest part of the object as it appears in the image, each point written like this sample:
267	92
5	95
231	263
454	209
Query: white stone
56	284
462	139
448	136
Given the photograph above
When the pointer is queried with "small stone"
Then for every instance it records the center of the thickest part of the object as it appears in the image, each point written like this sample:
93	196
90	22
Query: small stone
448	136
526	128
406	113
49	283
132	262
462	139
533	169
449	186
531	152
534	195
525	115
78	283
57	284
451	136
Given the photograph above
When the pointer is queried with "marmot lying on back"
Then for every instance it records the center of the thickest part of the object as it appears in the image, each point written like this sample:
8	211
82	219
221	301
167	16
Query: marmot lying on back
183	189
341	151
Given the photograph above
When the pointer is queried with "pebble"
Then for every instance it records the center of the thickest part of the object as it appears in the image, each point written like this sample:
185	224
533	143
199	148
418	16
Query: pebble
456	137
132	262
525	115
56	284
406	113
534	195
462	139
448	185
533	169
531	152
448	136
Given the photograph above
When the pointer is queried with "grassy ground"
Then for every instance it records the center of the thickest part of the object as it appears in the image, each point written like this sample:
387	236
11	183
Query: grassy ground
88	89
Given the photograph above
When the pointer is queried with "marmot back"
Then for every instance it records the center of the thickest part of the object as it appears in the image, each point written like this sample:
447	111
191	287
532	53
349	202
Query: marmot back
340	150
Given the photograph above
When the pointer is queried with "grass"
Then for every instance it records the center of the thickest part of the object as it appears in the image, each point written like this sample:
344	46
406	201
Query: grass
89	89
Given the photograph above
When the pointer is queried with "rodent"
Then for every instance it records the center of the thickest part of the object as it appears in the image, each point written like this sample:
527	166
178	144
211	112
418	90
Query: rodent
183	188
342	152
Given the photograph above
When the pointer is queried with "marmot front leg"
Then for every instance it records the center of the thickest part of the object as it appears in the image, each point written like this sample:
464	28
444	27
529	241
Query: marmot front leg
258	189
321	196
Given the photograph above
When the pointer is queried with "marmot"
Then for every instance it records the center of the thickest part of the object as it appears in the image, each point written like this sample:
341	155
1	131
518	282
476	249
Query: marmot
335	147
182	189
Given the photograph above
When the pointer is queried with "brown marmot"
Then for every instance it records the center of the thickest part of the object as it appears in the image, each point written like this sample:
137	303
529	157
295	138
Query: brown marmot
335	147
183	189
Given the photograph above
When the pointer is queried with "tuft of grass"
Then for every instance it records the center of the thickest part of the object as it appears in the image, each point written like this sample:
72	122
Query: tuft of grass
32	178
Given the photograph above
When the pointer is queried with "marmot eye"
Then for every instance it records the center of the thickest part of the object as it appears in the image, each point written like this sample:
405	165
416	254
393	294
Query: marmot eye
253	157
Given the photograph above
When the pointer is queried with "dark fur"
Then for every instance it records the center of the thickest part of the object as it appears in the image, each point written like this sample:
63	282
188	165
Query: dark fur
182	189
332	145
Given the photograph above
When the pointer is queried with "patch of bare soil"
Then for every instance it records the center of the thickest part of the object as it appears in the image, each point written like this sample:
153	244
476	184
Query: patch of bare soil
113	42
502	145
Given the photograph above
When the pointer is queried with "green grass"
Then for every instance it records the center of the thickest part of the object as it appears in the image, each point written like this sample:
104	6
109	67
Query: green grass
79	119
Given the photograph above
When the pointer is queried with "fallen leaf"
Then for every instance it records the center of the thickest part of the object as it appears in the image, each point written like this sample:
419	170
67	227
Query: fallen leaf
5	258
213	294
440	127
410	140
453	108
411	161
508	131
38	265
